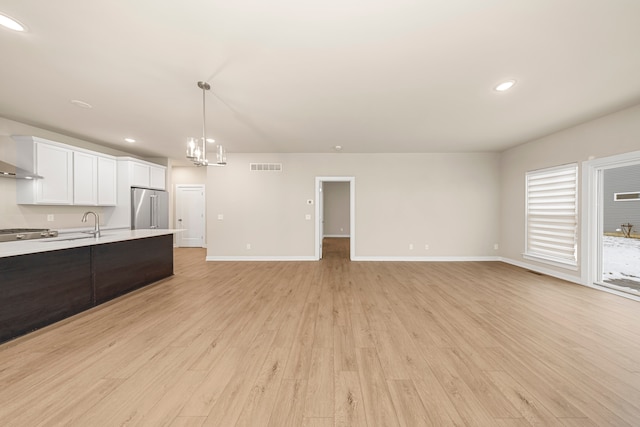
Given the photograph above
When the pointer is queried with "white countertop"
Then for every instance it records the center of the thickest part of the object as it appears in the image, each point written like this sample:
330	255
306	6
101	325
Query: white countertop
76	240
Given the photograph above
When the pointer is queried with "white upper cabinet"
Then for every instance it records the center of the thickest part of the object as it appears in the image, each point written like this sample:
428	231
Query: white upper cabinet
146	175
139	174
107	181
85	184
70	176
55	164
157	177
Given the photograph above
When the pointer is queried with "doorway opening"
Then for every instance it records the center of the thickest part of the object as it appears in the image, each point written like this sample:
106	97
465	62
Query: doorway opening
613	223
190	215
335	217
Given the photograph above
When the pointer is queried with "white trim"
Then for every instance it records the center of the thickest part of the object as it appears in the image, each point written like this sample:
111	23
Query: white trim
337	235
352	212
543	270
613	291
260	258
592	171
426	258
549	261
573	279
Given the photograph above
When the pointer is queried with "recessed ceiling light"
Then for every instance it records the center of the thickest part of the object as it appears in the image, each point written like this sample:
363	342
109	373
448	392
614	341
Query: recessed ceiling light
10	23
130	140
505	85
81	104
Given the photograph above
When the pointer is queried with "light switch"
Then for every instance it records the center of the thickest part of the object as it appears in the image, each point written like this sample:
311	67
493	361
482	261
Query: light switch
220	217
50	217
307	217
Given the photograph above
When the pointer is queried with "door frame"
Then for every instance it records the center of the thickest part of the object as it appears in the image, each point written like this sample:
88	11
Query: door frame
352	212
204	212
591	236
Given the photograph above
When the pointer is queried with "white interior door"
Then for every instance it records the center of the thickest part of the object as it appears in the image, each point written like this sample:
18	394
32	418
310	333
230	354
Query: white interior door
190	215
321	214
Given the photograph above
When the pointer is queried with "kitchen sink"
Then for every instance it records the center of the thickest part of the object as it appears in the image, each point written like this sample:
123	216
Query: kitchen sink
66	238
77	236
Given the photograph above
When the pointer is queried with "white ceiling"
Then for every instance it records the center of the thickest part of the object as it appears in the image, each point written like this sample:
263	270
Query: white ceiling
303	76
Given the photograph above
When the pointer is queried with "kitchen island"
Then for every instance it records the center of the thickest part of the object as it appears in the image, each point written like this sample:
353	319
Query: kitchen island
46	280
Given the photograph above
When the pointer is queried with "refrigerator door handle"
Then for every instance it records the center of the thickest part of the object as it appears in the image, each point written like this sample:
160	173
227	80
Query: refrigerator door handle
153	211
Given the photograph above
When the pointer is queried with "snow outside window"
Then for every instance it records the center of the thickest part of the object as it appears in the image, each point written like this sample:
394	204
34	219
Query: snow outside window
552	215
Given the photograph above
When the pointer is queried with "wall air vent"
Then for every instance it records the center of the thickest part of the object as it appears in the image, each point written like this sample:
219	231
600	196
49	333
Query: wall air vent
625	197
265	167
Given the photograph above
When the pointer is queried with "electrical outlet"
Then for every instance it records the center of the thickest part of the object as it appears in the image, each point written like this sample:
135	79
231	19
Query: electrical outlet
50	217
496	247
248	246
426	247
307	217
220	217
410	246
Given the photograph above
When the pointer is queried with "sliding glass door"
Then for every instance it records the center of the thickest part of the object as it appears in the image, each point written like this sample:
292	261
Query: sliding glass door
611	255
620	230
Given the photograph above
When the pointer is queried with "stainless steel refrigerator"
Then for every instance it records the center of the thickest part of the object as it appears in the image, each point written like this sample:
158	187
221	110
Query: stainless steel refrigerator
149	208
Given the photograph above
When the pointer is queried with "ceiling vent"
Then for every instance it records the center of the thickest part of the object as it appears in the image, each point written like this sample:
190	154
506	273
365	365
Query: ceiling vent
265	167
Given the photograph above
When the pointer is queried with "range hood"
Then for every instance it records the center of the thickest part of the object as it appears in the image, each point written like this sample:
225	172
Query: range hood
8	170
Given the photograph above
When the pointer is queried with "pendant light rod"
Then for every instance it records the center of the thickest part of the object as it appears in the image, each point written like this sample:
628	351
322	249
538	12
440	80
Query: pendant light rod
205	87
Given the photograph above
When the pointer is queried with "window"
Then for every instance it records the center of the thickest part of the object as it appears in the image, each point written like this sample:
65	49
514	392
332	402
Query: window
552	215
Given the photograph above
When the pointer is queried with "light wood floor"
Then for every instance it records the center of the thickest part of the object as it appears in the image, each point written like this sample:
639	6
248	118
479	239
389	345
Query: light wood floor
319	344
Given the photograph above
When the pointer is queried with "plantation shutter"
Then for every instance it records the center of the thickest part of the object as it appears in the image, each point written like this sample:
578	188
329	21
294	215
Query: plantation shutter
552	214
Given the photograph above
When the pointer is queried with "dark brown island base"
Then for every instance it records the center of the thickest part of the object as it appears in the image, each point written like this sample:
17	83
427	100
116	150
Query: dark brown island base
42	288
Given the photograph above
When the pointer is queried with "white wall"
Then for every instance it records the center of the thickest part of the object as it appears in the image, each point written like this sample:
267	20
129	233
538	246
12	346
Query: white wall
449	201
336	209
609	135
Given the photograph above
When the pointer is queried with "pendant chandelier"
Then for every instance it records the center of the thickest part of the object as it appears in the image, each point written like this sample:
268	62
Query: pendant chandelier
197	147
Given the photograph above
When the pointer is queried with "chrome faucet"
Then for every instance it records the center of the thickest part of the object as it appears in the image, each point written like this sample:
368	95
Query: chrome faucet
96	227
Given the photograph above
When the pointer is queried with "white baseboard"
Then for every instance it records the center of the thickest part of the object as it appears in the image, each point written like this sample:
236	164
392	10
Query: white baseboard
612	291
260	258
426	258
359	258
337	235
543	270
569	278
